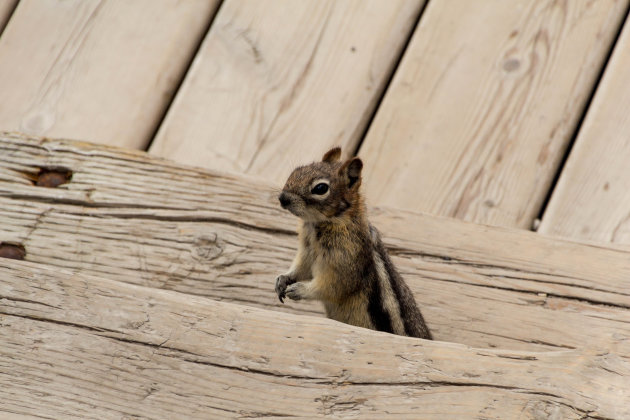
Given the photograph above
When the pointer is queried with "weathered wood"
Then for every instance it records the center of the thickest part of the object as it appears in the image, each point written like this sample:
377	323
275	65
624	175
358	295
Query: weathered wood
483	104
103	349
592	197
100	71
142	220
6	9
296	76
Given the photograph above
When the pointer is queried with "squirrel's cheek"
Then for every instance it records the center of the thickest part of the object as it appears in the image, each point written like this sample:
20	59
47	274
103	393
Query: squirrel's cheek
298	209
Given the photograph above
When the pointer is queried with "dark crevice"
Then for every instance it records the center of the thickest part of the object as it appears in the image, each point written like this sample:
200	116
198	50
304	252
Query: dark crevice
182	78
444	259
29	301
605	304
197	219
86	204
388	82
126	206
55	321
543	343
52	177
25	413
9	16
12	251
587	105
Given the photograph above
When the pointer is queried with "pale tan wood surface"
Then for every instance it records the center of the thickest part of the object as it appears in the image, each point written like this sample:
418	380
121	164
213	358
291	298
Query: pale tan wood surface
146	221
592	197
275	81
481	108
6	8
102	71
78	346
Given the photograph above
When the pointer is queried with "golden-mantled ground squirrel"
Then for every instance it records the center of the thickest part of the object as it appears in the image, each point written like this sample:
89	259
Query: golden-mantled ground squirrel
341	259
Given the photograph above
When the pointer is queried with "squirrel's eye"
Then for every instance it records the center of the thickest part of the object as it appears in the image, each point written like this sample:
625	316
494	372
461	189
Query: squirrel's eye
320	189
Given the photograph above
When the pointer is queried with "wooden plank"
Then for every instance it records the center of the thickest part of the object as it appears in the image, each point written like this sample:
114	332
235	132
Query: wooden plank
276	81
592	198
101	71
482	107
99	348
142	220
6	9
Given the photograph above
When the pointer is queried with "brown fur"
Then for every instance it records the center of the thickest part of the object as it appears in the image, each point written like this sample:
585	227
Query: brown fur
341	260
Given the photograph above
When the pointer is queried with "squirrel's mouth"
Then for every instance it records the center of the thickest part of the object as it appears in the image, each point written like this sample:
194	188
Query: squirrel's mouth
288	202
293	210
296	206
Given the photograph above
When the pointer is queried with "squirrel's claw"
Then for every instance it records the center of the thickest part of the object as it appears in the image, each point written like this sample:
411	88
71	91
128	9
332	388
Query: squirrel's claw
282	282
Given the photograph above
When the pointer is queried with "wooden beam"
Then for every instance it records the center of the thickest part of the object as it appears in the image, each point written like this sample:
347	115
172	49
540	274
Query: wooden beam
592	198
78	346
100	71
147	221
6	9
278	81
483	105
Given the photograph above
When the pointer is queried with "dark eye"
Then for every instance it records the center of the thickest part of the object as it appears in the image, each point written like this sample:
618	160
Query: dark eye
320	189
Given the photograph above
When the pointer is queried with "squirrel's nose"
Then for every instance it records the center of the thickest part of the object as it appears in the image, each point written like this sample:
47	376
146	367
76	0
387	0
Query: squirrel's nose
284	200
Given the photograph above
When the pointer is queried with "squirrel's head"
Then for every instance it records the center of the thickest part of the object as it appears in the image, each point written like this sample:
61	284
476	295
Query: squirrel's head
323	190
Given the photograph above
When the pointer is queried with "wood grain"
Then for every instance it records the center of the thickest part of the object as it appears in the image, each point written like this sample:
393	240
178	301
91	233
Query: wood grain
276	81
146	221
103	349
96	70
592	197
483	104
6	9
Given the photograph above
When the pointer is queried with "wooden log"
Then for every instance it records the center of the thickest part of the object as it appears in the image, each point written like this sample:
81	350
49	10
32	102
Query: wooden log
482	107
592	198
79	346
147	221
297	76
100	71
6	9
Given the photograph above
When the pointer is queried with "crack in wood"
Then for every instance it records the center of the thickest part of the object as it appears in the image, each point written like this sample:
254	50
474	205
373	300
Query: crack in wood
338	381
124	206
411	253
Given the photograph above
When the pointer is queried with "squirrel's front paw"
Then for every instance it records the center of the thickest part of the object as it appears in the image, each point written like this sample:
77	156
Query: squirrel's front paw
295	291
282	282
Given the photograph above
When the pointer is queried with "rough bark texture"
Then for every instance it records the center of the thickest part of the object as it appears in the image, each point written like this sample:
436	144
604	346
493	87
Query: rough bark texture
86	347
149	222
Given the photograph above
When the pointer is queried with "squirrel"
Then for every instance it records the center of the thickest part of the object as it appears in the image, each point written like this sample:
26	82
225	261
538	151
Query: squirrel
341	260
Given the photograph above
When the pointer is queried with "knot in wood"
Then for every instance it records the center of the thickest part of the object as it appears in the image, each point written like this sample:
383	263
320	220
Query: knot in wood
12	251
208	247
52	178
511	64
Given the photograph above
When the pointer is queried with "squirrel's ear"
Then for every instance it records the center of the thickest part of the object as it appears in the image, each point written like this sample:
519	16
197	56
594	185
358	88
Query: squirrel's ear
332	155
351	170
